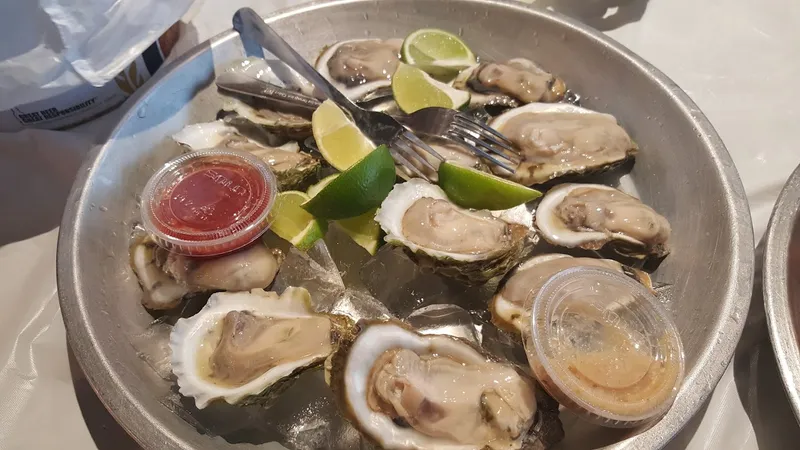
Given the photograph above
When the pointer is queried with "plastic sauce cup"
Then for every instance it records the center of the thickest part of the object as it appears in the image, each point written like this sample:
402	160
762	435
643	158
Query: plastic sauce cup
602	345
209	202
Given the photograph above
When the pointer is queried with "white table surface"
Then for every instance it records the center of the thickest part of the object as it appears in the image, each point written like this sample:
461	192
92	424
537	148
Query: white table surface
738	59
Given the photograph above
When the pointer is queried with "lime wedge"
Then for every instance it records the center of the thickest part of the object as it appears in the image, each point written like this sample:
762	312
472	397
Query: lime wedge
362	229
291	222
341	143
471	188
314	189
437	52
357	190
414	89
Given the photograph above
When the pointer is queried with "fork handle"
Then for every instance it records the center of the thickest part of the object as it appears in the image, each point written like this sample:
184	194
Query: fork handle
250	24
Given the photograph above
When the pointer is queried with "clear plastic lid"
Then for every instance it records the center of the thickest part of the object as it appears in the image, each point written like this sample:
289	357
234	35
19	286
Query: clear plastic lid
602	346
209	202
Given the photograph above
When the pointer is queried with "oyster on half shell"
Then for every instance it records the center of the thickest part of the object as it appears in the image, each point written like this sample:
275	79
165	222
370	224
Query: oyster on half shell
405	390
473	246
292	168
512	83
245	347
508	306
591	216
166	277
360	67
562	139
289	122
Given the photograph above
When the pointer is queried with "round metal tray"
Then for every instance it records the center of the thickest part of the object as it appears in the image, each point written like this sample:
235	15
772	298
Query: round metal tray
782	288
683	171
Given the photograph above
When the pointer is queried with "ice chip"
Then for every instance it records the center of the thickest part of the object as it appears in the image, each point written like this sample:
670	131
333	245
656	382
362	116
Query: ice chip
153	347
360	305
314	271
447	319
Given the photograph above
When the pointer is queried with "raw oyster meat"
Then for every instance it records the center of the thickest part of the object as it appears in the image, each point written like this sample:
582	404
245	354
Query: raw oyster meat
166	277
562	139
508	306
590	216
292	168
361	66
405	390
282	120
517	81
473	246
245	347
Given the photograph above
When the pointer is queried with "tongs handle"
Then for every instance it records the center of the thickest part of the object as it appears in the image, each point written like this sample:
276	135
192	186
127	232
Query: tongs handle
251	25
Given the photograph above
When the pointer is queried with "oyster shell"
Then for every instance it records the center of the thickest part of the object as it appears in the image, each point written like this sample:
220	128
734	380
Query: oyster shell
405	390
167	277
517	81
292	168
508	306
361	66
590	216
562	139
289	122
245	347
472	246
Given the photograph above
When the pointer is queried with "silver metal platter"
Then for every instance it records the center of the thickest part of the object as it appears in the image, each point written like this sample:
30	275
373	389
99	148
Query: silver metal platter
682	170
782	288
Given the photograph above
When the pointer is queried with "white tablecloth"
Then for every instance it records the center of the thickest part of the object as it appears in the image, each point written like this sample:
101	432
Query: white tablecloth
737	59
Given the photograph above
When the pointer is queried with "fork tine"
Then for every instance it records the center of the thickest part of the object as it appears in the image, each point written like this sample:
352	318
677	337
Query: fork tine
485	131
512	158
408	150
421	144
461	140
407	164
467	135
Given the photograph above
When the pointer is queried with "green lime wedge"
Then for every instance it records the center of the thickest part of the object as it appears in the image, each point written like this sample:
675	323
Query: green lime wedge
314	189
437	52
291	222
340	142
414	89
357	190
471	188
362	229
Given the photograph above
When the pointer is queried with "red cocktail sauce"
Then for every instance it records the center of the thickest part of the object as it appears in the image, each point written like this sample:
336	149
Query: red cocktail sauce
209	202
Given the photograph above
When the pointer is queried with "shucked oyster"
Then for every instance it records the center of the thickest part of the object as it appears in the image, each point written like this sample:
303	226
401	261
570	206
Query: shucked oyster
245	347
473	246
290	122
167	277
406	390
361	66
512	83
290	166
590	216
563	139
508	306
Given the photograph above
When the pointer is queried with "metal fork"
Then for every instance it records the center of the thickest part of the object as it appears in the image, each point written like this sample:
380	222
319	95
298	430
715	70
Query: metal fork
458	127
380	128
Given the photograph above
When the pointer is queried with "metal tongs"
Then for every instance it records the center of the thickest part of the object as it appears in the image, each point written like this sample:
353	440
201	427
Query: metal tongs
380	128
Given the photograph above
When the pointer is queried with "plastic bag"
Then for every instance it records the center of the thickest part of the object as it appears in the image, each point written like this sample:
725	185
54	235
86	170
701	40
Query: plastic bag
52	46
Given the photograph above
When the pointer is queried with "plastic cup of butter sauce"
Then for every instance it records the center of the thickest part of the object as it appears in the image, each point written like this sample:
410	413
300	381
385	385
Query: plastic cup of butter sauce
602	345
209	202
